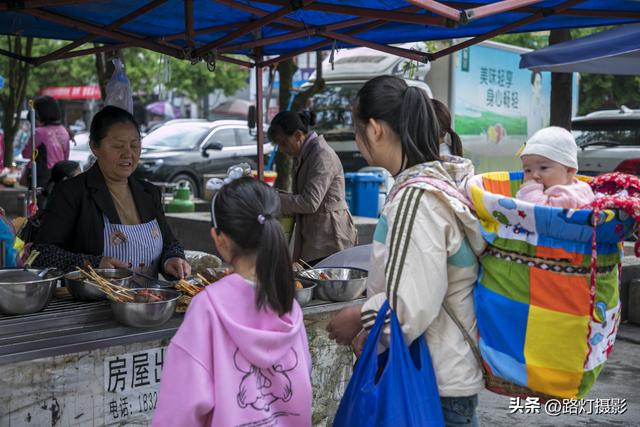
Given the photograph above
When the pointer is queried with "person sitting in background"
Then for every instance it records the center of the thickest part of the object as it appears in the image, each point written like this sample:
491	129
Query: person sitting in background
450	142
550	162
61	171
52	142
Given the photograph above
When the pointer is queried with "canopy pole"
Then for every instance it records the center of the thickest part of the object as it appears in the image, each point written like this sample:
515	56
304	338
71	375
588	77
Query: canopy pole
494	8
259	114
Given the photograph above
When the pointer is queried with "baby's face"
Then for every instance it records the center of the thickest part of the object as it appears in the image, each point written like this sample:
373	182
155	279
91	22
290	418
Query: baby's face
545	171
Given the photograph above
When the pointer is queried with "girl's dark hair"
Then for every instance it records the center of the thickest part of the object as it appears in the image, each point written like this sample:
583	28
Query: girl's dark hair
247	211
107	117
444	120
61	170
288	122
47	110
407	110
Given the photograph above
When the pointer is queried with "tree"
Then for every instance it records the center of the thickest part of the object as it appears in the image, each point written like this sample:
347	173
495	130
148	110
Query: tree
560	87
16	73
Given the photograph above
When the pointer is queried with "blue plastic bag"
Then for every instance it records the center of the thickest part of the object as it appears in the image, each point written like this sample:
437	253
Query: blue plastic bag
396	389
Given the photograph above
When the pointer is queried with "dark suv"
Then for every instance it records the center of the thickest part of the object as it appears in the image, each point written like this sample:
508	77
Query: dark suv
185	151
608	141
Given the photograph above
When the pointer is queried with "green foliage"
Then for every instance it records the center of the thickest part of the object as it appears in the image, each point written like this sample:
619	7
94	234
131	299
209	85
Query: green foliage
143	69
468	125
196	80
78	71
529	40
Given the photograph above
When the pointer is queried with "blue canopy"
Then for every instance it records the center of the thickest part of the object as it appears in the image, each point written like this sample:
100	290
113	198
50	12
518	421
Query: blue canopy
615	51
216	27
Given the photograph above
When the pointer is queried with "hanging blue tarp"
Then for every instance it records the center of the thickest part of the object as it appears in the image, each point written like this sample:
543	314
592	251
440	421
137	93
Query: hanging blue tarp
615	51
169	19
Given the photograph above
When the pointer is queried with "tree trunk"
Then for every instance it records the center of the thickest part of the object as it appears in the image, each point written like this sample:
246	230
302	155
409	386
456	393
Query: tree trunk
17	79
560	87
284	163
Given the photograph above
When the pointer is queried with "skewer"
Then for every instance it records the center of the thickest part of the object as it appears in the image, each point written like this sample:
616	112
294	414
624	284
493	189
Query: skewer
112	290
304	264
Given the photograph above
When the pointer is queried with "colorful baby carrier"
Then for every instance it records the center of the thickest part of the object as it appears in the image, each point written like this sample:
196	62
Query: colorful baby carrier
546	324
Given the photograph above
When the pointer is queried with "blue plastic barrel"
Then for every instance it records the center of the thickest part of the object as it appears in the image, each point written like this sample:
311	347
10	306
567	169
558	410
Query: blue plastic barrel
364	194
348	189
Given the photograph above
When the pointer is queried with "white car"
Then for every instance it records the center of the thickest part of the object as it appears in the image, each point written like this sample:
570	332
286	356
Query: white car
608	141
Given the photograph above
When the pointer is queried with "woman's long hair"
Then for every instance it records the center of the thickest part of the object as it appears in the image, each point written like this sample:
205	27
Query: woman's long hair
407	110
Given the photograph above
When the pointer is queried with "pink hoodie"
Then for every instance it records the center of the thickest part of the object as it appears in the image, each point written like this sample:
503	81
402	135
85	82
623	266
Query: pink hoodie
572	196
232	365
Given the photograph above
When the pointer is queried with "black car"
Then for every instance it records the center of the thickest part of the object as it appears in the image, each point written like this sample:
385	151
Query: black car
183	152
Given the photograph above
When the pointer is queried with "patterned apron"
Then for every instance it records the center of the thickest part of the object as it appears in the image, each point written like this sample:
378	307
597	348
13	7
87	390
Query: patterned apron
139	244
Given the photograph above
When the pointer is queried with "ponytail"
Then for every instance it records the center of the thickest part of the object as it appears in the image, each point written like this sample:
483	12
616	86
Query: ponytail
407	110
419	129
444	119
456	143
273	268
247	211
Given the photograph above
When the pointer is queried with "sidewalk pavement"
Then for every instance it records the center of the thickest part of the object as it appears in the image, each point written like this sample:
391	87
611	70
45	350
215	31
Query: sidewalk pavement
620	379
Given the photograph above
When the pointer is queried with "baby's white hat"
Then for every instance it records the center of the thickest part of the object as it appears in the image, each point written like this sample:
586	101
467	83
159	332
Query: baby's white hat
554	143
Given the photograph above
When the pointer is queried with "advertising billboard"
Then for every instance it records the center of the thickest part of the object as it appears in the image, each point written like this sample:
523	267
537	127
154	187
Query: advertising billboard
497	105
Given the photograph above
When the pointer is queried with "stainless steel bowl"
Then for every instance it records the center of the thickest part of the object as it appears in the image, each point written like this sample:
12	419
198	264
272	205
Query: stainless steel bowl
343	284
305	294
82	289
23	292
146	314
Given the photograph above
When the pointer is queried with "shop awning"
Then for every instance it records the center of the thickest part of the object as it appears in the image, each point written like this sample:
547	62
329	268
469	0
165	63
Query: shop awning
72	92
615	51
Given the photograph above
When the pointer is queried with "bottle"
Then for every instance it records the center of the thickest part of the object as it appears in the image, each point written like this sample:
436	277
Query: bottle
182	200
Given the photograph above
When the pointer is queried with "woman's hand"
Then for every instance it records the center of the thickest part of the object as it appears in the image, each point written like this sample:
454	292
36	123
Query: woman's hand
111	262
177	267
359	342
345	325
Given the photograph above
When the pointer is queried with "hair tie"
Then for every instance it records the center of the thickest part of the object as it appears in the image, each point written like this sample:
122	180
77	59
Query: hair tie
262	218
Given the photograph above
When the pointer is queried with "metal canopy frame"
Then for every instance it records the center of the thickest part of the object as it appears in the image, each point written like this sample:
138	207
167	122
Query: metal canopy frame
277	15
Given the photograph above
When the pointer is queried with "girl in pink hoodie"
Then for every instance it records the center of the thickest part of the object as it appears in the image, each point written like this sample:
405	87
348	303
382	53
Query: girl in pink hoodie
550	162
241	356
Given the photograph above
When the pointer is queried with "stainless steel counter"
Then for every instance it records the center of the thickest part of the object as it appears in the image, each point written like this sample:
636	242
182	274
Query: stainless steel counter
69	326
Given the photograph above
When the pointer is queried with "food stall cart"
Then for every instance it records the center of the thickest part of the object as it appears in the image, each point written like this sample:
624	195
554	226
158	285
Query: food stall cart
73	364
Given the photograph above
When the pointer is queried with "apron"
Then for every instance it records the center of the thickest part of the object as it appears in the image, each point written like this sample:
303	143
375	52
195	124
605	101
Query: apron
139	244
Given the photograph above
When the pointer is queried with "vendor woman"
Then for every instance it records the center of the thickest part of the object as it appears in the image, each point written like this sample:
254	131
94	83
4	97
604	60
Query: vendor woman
323	223
106	217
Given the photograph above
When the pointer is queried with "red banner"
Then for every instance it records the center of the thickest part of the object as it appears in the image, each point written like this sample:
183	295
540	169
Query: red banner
72	92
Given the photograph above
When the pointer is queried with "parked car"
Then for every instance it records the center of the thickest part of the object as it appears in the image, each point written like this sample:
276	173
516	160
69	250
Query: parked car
81	152
183	152
608	141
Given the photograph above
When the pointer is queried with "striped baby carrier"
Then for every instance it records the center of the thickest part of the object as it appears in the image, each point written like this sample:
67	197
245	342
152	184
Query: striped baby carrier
546	299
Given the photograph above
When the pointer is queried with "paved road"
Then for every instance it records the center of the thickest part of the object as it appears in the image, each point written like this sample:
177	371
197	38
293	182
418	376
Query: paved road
619	379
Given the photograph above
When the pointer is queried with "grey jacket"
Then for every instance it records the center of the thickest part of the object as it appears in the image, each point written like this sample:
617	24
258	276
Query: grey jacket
323	223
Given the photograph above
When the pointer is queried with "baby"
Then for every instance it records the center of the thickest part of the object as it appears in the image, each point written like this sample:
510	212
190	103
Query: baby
550	163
